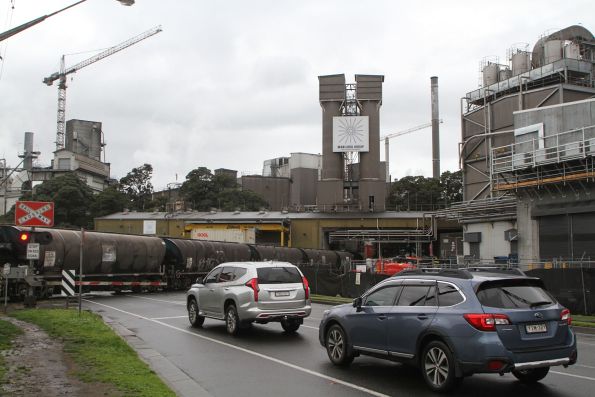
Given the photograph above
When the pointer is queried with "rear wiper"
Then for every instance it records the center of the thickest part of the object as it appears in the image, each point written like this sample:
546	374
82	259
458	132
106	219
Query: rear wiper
540	303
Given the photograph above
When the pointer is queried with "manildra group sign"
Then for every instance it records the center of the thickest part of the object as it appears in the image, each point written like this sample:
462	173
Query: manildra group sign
351	134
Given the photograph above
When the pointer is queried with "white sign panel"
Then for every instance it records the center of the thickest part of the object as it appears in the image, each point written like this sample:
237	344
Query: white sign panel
6	270
49	259
149	227
33	251
351	134
108	253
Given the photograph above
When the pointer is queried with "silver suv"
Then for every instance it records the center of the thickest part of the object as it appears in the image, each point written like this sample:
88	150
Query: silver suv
241	293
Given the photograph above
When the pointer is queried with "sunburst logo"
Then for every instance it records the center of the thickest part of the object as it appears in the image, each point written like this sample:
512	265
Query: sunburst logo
350	133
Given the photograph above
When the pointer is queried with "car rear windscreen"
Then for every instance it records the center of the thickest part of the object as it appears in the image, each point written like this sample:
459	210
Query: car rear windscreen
514	294
278	275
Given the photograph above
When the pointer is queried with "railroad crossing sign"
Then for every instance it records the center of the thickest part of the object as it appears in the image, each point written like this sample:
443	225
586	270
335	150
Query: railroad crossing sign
34	213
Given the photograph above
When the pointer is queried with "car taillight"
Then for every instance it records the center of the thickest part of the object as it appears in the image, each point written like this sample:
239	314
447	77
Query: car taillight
306	287
254	285
565	316
486	322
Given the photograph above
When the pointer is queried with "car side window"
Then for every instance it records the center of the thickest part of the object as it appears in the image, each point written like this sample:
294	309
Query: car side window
226	275
431	298
238	272
212	276
413	295
382	297
448	295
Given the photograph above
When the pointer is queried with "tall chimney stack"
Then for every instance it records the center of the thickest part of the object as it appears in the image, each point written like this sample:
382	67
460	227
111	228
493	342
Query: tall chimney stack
435	130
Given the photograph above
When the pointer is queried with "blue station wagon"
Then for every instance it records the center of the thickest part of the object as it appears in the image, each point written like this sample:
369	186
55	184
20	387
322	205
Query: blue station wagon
454	323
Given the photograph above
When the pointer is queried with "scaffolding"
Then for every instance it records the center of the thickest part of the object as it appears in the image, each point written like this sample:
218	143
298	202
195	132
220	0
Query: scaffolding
564	158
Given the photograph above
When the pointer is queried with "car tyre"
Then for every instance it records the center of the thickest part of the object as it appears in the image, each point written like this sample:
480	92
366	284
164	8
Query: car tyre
336	346
196	320
232	320
531	375
438	367
290	326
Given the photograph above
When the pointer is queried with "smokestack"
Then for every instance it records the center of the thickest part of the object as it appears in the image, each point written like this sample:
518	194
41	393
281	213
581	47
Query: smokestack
435	129
28	154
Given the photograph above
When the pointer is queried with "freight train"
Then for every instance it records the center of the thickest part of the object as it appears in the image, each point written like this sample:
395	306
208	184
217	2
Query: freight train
117	262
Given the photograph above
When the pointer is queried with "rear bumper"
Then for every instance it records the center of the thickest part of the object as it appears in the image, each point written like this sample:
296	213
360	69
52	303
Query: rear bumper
540	364
257	314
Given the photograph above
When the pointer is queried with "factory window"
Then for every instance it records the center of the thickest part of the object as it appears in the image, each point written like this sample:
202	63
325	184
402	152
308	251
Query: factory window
63	164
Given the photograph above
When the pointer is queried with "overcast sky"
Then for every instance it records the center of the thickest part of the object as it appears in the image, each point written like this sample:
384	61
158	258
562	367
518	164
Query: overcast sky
229	84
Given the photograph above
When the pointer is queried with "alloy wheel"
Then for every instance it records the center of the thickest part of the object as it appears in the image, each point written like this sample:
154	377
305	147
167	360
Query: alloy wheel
436	366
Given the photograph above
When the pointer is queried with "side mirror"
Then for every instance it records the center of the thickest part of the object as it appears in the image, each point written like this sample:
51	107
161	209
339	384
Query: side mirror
199	280
357	303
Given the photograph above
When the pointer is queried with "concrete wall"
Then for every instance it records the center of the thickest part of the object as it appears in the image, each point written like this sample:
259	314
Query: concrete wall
274	190
492	239
302	190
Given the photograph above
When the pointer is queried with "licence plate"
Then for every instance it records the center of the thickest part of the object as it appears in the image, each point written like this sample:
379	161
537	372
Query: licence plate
535	328
282	293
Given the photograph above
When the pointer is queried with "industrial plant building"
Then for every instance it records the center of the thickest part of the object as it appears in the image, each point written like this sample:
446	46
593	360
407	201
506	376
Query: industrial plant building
526	153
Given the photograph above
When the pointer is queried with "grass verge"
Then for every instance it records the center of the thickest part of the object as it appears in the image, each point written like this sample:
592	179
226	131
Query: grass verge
8	332
331	300
100	354
583	321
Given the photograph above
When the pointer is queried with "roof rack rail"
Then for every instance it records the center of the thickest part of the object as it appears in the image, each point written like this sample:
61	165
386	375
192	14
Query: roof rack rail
461	272
436	271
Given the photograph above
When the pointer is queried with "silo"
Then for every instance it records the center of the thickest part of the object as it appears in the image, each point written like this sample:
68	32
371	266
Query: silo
369	95
504	74
572	50
490	74
28	155
552	51
331	96
521	62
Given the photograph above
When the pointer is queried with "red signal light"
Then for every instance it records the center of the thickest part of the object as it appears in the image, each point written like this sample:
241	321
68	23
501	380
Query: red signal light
24	237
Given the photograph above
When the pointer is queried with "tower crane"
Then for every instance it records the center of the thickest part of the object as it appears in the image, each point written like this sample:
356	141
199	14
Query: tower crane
387	137
61	77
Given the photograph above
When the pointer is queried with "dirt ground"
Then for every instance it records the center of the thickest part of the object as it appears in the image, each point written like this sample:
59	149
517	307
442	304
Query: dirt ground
37	366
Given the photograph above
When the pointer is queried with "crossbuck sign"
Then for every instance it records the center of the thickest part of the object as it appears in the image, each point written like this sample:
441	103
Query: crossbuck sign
34	213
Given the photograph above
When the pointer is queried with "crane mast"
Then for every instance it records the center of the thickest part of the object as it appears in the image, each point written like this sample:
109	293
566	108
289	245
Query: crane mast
387	137
61	77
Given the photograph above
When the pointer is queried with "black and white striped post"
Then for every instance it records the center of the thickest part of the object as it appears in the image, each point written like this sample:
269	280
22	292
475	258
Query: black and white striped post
68	284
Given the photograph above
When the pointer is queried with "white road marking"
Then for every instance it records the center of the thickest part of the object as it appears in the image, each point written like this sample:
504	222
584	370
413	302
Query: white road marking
583	365
584	343
275	360
588	335
573	375
157	300
166	318
308	326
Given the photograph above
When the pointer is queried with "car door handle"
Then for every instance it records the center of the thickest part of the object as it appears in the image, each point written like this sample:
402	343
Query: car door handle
382	317
422	316
226	288
211	289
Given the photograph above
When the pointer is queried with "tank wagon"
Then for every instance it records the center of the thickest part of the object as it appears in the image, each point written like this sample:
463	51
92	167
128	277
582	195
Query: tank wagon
116	262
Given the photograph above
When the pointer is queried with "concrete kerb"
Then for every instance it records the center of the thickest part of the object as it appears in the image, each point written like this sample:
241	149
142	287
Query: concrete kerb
175	378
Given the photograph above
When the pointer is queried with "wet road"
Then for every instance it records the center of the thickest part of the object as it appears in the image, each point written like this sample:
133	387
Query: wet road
264	361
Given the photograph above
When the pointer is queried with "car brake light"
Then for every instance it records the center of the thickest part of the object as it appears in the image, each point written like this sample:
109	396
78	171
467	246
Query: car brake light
495	365
306	287
253	283
486	322
565	316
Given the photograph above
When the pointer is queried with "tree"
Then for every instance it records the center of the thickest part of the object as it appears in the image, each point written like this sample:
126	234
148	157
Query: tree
205	191
245	200
452	186
72	198
198	189
137	186
417	193
109	201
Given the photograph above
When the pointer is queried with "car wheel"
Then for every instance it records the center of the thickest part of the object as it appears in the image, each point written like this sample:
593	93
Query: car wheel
232	321
438	367
531	375
290	325
336	346
196	320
